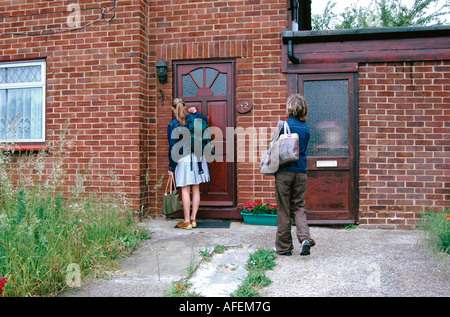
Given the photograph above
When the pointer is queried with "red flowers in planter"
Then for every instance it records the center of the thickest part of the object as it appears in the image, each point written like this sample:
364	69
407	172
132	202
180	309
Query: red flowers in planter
260	208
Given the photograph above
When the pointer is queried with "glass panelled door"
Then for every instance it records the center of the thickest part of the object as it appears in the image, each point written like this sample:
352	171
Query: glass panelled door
328	118
331	193
209	86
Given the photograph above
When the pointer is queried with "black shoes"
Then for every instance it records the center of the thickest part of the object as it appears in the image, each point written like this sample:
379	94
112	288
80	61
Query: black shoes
306	248
289	253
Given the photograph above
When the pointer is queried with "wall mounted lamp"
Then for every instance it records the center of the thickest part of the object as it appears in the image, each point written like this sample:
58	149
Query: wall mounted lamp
161	71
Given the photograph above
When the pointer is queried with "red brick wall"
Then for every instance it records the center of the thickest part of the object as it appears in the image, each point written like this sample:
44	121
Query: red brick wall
247	30
96	84
404	141
102	81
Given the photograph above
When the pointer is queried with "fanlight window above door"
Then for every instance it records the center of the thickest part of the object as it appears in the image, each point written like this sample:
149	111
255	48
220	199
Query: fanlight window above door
204	81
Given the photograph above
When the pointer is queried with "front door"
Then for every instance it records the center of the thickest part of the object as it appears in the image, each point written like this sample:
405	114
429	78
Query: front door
209	87
331	195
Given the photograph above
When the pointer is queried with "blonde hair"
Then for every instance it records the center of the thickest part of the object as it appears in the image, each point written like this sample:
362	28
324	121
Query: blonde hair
180	114
297	106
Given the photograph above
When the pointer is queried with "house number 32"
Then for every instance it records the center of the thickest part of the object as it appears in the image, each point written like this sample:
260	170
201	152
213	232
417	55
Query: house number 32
245	106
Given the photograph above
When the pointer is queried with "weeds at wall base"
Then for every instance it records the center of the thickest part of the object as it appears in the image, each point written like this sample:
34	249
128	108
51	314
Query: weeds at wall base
44	230
437	227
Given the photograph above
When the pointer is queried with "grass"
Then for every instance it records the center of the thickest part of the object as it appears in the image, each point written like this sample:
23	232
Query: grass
205	255
437	225
44	232
256	279
219	249
182	287
257	265
252	284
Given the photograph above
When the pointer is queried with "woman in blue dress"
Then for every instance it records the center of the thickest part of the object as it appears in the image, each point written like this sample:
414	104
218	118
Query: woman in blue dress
189	171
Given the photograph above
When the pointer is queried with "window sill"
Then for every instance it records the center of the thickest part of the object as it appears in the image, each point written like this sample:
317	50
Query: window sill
24	147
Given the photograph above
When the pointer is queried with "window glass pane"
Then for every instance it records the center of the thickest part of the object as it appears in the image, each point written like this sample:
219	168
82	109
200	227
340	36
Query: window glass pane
327	117
198	76
23	74
210	75
2	113
220	85
21	114
2	76
189	86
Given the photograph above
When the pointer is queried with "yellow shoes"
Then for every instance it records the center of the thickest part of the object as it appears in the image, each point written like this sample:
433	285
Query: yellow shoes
187	225
184	225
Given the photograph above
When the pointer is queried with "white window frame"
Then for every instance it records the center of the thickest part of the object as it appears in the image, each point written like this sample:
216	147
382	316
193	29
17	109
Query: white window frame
41	84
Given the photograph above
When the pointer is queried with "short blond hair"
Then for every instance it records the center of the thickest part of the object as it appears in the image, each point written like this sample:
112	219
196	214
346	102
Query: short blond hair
297	106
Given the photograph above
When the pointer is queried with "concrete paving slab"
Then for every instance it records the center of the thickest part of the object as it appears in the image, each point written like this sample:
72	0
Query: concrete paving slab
344	263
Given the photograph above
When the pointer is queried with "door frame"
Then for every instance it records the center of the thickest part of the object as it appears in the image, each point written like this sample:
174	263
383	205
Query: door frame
211	210
295	85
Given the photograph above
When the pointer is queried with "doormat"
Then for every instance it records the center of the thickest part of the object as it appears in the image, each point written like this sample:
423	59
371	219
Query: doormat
212	224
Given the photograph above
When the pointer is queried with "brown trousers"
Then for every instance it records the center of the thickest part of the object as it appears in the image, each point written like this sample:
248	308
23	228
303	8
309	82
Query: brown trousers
290	189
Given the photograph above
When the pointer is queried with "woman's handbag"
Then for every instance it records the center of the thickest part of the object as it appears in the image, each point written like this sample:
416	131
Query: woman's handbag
270	159
171	198
282	149
288	146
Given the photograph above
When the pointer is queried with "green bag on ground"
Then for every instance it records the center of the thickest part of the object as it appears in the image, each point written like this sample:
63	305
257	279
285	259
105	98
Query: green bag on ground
171	198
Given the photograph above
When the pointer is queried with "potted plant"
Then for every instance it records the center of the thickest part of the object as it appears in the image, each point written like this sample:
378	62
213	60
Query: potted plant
260	213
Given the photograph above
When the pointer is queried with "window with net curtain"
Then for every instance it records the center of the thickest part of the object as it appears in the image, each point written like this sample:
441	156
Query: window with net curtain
327	117
22	102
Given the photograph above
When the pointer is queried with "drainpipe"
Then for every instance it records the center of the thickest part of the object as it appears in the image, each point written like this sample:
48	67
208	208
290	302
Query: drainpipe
292	58
301	20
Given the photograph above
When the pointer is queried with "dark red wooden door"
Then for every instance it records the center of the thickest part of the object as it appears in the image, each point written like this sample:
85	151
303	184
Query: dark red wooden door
209	86
332	119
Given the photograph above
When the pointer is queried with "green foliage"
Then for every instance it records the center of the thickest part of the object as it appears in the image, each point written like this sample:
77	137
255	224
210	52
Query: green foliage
257	265
219	249
393	13
205	255
43	231
355	17
180	289
263	259
437	224
382	13
326	20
